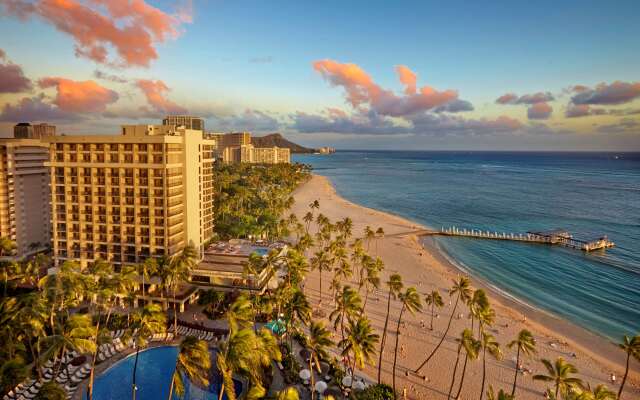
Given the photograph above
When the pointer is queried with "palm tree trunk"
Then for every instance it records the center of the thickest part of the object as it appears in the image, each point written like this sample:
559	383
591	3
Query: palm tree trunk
175	314
624	378
395	352
431	323
313	389
384	336
221	391
173	380
135	367
464	370
320	270
444	335
366	298
93	361
484	370
455	369
515	378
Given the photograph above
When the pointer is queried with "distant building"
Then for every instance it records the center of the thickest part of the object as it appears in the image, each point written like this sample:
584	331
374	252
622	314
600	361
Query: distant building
189	122
237	148
326	150
25	130
145	193
25	194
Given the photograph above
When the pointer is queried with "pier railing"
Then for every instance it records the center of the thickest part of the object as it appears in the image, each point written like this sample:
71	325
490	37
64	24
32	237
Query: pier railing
559	238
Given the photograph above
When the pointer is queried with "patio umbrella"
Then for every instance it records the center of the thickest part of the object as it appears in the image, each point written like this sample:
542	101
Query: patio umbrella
321	386
346	381
279	327
305	374
359	385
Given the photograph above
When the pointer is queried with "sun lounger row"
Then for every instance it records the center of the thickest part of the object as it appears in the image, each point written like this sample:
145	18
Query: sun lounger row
161	337
200	334
118	333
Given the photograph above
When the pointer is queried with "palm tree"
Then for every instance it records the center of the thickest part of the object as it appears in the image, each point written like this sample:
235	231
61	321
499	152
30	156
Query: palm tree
462	290
147	269
147	321
379	235
501	395
410	302
51	391
631	346
233	355
371	279
369	235
395	286
193	362
240	314
526	344
179	271
601	392
298	310
477	304
434	299
488	344
317	342
321	262
75	335
472	351
348	304
359	344
559	374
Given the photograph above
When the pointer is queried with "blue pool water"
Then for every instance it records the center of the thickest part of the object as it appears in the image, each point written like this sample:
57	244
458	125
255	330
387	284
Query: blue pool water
588	194
261	250
155	368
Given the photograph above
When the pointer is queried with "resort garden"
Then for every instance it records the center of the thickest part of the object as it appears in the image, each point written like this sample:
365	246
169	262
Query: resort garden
59	329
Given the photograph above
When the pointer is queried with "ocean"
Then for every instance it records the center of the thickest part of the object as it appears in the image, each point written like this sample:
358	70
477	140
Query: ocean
587	194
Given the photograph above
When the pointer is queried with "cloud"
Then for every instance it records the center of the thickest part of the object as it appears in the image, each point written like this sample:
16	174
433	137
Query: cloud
582	110
539	111
249	120
625	125
512	98
12	79
408	78
33	109
108	77
130	27
79	96
454	106
361	90
607	94
261	60
155	91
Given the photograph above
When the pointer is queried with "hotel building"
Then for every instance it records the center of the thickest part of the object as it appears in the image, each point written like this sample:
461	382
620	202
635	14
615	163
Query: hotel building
25	195
189	122
145	193
237	148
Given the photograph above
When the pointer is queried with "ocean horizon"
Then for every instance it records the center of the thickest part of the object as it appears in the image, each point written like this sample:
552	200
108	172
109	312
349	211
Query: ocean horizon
589	194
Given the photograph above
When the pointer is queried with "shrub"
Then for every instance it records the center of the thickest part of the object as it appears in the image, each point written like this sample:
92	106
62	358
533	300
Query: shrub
380	391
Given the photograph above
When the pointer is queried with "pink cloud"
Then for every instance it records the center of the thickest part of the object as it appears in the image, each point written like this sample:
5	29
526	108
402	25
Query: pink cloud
407	78
130	27
155	91
539	111
12	79
615	93
361	90
512	98
79	96
507	98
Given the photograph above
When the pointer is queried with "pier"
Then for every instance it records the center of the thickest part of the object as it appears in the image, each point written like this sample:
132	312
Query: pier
555	237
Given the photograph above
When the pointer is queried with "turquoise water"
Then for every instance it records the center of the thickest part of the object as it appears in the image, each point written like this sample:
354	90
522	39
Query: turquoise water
588	194
153	378
261	250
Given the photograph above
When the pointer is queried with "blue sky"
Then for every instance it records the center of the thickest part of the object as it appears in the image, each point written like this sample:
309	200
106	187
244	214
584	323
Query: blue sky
250	65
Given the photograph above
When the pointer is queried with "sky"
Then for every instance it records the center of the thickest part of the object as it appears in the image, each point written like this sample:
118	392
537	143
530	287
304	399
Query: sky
509	75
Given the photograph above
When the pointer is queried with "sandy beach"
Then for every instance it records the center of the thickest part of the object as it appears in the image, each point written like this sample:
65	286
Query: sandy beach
425	269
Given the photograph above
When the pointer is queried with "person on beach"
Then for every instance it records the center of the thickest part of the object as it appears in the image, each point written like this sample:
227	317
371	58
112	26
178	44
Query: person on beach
613	378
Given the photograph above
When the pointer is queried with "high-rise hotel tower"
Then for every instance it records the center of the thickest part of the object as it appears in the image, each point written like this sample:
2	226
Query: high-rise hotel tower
147	192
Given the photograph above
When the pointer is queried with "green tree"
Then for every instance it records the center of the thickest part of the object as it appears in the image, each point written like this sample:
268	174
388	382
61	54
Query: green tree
51	391
471	347
410	301
359	344
348	305
631	346
501	395
525	344
12	372
434	300
179	271
395	286
490	345
193	363
318	342
560	374
462	290
147	321
75	335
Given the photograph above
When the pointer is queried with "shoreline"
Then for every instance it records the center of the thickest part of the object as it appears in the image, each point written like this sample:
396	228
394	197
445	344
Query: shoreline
595	356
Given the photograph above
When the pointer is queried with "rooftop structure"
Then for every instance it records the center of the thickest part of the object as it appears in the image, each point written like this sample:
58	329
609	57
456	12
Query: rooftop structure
223	264
189	122
25	130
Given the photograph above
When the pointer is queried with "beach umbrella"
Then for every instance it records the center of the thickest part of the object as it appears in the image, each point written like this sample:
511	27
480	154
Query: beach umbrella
279	327
346	381
321	386
305	374
359	385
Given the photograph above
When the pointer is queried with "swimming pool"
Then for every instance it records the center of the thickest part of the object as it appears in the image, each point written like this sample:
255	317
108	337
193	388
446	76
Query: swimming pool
155	367
261	250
